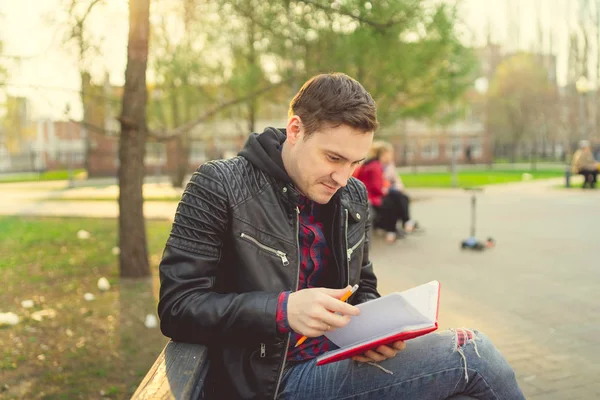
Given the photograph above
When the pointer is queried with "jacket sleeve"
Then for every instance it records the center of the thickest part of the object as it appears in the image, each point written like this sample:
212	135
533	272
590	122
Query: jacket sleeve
367	289
189	308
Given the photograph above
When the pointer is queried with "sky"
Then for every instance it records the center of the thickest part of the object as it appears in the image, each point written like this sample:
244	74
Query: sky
47	74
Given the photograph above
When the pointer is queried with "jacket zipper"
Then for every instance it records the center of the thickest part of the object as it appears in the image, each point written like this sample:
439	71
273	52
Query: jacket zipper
278	253
351	250
287	342
348	252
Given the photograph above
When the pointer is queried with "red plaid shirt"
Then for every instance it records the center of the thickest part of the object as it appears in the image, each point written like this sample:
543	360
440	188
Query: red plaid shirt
315	256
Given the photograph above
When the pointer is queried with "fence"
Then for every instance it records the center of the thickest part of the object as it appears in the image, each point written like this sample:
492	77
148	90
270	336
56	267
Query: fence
33	161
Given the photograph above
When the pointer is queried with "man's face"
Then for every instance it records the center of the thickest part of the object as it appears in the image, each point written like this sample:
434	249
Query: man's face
321	163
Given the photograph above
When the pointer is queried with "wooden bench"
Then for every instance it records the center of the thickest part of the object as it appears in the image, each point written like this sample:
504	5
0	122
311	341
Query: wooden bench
179	373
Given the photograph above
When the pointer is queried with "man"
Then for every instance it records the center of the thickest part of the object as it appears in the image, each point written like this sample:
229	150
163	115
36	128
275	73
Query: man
262	247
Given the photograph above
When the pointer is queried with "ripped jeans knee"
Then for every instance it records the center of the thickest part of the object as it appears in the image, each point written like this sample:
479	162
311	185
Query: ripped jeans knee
464	337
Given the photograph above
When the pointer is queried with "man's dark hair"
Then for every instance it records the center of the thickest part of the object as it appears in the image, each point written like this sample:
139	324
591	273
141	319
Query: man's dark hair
334	99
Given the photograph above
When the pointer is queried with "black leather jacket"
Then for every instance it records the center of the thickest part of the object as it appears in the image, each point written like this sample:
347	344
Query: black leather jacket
232	250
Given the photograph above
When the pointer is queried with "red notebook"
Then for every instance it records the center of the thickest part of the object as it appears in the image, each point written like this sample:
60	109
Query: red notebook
396	316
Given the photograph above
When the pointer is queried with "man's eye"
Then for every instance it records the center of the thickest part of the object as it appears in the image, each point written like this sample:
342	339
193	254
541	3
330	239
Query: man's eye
333	158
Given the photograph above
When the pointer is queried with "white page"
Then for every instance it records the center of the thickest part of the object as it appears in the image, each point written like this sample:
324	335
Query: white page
424	298
391	313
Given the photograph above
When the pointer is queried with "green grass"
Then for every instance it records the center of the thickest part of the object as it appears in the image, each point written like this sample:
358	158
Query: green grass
88	347
472	178
58	175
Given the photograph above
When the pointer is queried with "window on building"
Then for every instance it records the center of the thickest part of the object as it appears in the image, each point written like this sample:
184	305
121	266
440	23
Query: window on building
476	147
430	149
197	152
156	154
454	144
410	149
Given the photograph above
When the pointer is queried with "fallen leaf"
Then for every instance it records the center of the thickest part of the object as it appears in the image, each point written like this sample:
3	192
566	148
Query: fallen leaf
8	319
103	284
151	321
27	303
89	296
40	315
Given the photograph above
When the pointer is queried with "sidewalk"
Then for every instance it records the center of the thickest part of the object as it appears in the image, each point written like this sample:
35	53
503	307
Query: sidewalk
36	199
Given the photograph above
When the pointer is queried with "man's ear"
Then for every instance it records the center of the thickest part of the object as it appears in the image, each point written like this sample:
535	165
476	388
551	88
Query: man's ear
294	129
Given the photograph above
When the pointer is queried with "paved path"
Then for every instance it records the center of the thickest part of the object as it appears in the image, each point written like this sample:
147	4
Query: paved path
535	294
37	199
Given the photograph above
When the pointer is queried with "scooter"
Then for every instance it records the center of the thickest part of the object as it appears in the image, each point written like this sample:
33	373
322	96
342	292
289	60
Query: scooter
472	243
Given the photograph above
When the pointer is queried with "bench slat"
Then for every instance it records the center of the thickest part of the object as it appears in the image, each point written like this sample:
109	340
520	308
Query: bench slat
178	373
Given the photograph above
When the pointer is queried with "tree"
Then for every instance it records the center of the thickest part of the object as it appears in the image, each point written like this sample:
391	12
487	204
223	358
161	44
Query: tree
86	46
15	128
407	53
132	228
3	72
180	60
521	95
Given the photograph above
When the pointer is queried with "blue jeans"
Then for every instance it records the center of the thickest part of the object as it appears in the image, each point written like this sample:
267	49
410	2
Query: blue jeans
431	367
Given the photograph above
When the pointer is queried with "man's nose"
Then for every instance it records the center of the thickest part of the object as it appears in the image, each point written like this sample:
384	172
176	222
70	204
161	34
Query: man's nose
341	176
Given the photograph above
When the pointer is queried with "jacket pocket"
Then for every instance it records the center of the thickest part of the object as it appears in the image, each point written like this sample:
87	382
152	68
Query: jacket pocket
353	248
268	249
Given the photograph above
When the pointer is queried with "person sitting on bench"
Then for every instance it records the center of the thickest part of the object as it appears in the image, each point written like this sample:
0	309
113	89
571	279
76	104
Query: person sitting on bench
396	185
584	163
390	203
264	245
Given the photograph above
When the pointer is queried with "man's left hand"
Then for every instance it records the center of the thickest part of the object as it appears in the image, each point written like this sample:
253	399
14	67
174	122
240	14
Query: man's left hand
381	353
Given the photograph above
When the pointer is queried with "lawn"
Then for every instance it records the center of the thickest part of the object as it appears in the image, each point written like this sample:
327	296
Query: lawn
473	178
58	175
66	347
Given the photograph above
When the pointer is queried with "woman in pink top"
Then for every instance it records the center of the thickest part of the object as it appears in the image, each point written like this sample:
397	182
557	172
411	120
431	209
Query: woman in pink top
385	190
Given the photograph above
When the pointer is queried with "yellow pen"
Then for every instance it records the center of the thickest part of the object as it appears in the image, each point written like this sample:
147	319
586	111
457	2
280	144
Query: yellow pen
344	298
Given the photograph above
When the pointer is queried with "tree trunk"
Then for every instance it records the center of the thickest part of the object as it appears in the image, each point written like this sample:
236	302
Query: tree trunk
85	84
132	228
182	149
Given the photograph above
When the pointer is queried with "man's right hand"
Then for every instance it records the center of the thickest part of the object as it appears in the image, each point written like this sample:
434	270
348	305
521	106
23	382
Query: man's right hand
310	312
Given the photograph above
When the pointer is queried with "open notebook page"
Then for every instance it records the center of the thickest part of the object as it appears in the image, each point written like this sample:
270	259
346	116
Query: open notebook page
395	312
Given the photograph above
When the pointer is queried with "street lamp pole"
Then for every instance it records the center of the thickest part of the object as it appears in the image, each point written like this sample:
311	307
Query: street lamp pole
481	87
451	68
582	86
453	166
69	146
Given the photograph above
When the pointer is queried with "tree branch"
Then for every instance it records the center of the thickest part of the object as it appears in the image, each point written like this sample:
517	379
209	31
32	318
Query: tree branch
96	128
377	25
267	27
89	10
186	127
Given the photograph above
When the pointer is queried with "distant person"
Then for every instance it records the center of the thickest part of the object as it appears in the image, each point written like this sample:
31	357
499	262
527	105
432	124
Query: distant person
384	191
398	189
469	154
584	163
